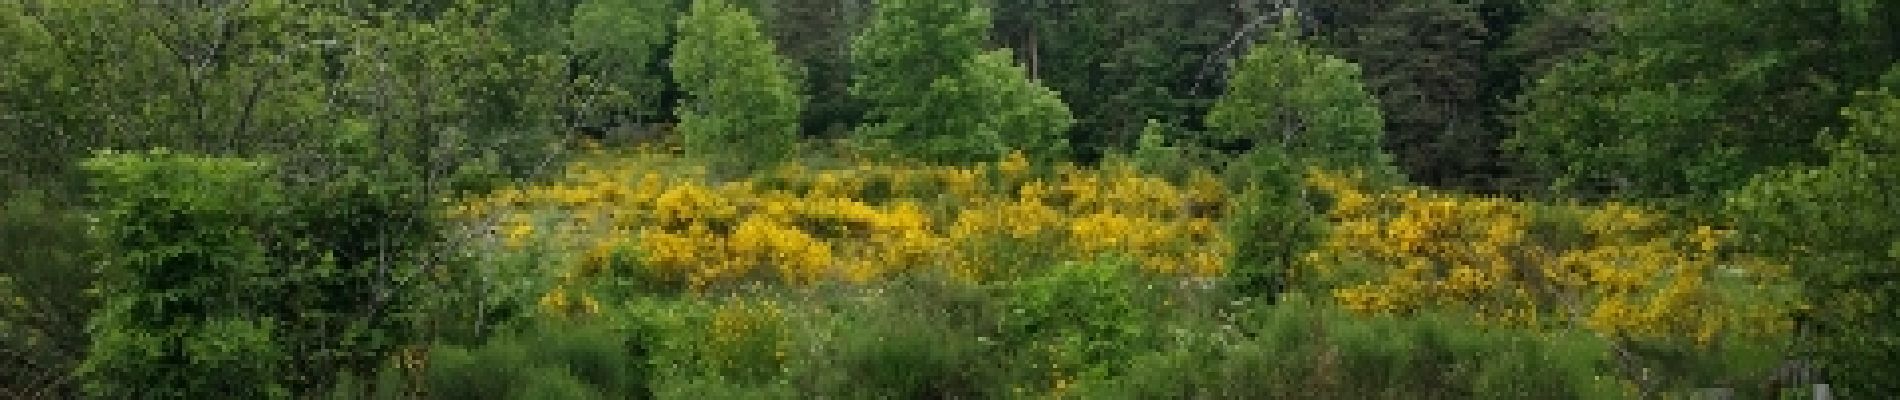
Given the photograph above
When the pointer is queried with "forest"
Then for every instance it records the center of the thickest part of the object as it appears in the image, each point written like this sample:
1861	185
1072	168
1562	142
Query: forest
949	199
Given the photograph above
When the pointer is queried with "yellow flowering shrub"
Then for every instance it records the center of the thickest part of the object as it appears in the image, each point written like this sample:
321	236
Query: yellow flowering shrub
797	225
1614	268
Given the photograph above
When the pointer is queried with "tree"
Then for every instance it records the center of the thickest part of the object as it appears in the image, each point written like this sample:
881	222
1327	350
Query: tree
1120	63
911	43
741	106
616	44
986	110
1301	110
1834	223
816	36
936	96
1433	65
1287	96
1687	99
898	58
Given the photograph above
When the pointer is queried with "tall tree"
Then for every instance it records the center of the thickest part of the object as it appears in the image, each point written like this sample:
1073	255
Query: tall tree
741	107
1300	109
934	94
1312	106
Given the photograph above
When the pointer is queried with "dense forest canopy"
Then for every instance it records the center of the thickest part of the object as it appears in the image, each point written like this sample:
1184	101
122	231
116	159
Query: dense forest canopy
948	198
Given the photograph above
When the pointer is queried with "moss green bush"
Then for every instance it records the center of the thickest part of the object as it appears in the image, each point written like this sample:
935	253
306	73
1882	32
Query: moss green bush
551	360
1297	351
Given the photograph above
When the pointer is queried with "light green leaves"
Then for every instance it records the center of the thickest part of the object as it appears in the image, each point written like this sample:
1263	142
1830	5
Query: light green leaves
937	97
1310	105
742	108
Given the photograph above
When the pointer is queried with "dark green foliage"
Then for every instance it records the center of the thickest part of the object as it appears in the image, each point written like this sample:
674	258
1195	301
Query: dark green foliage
185	265
1834	224
1689	99
1120	63
936	96
909	44
45	270
1444	73
617	45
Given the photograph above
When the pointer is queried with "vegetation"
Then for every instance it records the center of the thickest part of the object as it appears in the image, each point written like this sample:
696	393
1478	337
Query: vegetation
885	199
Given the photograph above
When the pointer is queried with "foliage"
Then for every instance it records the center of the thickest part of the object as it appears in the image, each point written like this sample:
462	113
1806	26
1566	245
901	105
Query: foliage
197	246
967	242
993	99
1829	222
1445	73
909	44
1687	100
1310	105
740	107
615	45
1617	269
1274	221
45	270
1298	351
1120	63
186	260
936	97
859	224
1079	316
601	359
906	343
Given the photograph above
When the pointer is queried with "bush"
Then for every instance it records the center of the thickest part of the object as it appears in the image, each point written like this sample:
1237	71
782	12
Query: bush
322	274
1273	222
550	360
185	263
1296	351
886	350
1080	316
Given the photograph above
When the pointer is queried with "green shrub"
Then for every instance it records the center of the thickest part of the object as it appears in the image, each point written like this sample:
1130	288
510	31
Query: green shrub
1272	223
1296	351
551	360
326	271
893	348
1080	316
185	265
936	95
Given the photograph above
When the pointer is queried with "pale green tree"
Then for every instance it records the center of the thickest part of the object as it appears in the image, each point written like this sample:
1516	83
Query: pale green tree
1312	106
1300	109
741	108
936	95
